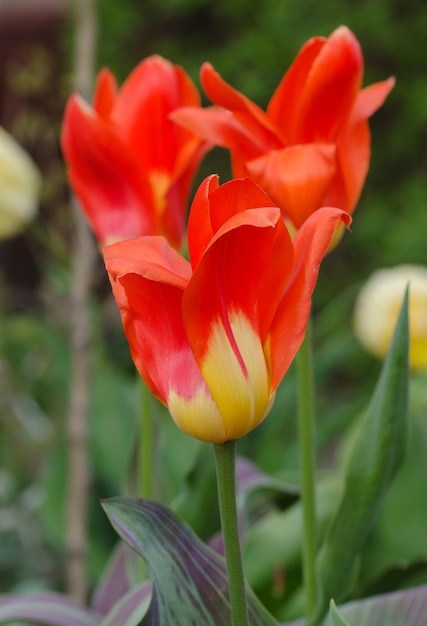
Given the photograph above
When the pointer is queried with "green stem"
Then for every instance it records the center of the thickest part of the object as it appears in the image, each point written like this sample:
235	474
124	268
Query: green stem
225	458
145	453
307	460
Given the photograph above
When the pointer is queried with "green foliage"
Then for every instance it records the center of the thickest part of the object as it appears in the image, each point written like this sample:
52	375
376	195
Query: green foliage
377	453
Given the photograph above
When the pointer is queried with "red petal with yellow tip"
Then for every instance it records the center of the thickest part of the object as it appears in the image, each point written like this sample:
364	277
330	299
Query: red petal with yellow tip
222	312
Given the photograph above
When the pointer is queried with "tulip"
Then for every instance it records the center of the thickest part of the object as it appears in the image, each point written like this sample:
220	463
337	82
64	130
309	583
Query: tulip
378	305
311	148
128	164
20	184
213	337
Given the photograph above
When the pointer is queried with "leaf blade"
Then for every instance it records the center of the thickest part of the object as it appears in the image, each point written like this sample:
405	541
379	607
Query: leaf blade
189	579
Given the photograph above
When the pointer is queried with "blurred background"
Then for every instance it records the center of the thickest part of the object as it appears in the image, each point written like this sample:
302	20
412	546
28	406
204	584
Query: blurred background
251	44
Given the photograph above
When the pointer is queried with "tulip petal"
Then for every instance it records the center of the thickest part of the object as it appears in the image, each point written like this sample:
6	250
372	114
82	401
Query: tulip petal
199	222
354	148
316	95
238	125
105	176
288	328
213	206
148	95
221	317
168	154
105	93
331	88
283	107
296	178
221	128
148	279
370	99
248	114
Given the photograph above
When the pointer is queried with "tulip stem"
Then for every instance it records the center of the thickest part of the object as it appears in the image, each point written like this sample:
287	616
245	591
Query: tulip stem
225	458
306	425
145	452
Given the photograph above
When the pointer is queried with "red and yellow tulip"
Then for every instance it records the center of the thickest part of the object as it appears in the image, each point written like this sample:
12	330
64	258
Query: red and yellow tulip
213	337
311	148
130	166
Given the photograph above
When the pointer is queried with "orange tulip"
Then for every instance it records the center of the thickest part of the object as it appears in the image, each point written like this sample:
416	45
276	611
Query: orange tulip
130	166
213	337
311	148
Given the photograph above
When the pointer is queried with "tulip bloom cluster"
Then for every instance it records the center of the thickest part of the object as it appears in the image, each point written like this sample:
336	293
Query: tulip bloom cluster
311	148
130	166
213	337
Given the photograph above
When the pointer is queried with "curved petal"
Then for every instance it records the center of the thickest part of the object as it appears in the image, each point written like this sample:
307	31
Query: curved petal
148	279
248	114
354	148
353	156
296	178
370	99
283	107
147	97
200	230
105	93
220	128
330	90
222	317
109	183
288	328
214	205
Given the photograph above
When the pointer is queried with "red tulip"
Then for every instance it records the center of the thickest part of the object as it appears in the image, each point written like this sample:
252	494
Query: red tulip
130	166
213	337
311	148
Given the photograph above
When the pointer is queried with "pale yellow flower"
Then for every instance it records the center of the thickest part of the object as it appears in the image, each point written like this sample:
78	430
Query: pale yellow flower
20	184
378	305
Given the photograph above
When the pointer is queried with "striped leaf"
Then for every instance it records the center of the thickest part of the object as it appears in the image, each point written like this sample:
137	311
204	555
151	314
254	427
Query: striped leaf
189	579
402	608
131	608
48	609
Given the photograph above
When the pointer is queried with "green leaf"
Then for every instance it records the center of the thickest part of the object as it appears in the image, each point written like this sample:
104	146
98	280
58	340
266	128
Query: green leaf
399	540
189	579
336	617
377	453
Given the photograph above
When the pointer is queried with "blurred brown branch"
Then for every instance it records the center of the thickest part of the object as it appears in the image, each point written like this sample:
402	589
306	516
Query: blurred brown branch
83	259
